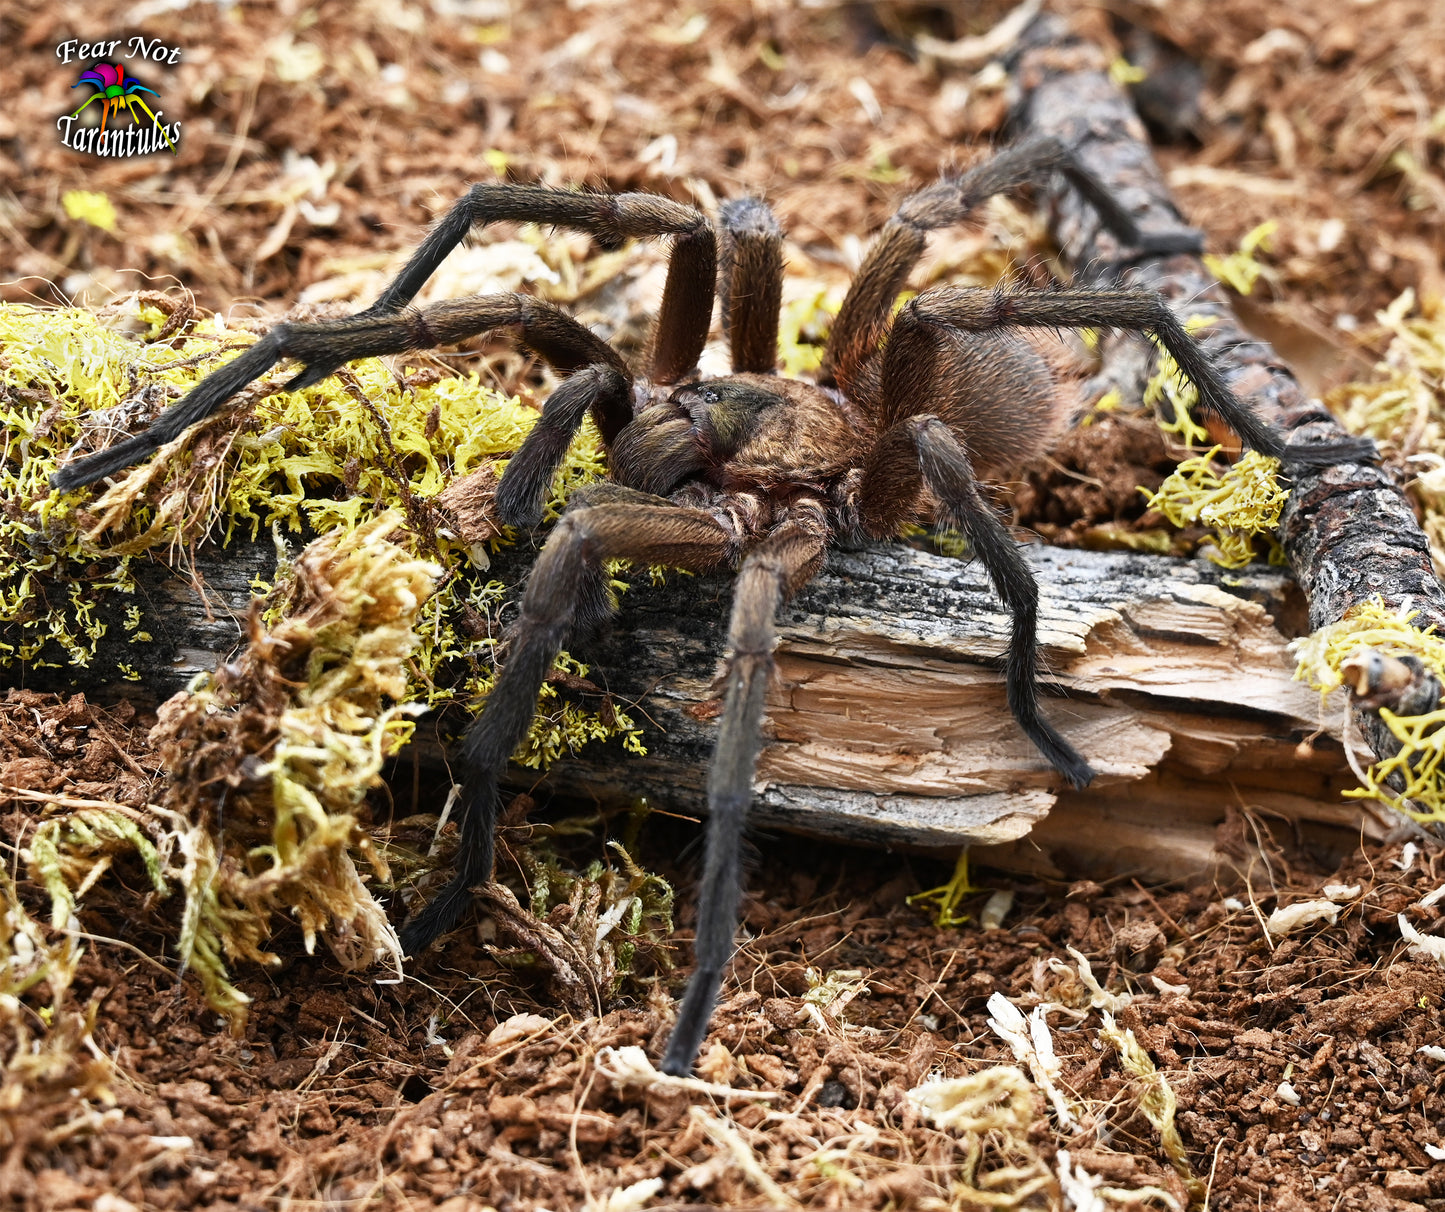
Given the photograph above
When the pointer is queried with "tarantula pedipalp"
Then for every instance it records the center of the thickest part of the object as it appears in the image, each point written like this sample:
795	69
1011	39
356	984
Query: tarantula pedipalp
750	469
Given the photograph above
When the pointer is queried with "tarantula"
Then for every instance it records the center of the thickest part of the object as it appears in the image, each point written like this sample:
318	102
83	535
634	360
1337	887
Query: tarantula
750	470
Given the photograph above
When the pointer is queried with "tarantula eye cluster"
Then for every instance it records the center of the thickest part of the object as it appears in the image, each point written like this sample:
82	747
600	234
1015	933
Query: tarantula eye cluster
751	469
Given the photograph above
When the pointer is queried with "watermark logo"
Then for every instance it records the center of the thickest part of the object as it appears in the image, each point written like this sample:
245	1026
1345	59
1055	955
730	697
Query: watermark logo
117	93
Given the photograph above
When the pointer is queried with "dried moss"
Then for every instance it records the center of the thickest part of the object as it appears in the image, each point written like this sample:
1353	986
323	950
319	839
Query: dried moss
1239	501
1376	628
287	740
54	1080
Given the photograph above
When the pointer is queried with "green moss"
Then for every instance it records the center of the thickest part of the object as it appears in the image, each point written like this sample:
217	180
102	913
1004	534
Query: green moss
358	459
1375	628
330	457
1240	501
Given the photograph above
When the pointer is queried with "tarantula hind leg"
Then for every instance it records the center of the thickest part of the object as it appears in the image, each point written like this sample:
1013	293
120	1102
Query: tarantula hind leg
567	576
923	450
781	564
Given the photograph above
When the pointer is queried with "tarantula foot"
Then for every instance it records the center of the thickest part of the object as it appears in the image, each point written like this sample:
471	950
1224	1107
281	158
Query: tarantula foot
438	917
1168	243
1079	773
1329	454
314	372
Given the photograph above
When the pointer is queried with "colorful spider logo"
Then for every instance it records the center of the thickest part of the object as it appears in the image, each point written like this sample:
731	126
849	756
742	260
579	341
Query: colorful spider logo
115	93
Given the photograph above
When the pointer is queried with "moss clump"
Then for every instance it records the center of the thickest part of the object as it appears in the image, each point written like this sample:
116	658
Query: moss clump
370	439
349	645
1411	781
287	739
1239	501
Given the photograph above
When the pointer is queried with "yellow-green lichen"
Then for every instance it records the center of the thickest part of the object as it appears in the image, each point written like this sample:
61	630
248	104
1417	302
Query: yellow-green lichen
802	332
619	914
1170	391
1418	789
1241	270
1403	406
1240	501
946	898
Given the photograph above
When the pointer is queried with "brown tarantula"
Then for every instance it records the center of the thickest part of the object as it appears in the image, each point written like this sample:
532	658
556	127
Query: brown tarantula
750	470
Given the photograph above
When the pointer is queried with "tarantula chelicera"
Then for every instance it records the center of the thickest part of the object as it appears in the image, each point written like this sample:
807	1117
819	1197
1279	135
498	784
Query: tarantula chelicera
751	470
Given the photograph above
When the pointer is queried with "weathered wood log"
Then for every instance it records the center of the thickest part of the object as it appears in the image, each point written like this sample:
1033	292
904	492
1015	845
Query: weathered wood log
887	722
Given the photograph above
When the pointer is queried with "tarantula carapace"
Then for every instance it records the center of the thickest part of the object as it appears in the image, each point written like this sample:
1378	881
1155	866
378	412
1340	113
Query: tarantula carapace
750	470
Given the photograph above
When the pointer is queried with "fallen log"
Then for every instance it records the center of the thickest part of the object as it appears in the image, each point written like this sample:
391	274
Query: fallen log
887	722
1348	531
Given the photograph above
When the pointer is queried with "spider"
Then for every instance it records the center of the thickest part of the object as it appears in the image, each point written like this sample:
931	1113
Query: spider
752	470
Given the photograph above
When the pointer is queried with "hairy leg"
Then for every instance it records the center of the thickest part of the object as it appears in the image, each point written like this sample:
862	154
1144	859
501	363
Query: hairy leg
774	570
567	577
1135	310
327	345
899	245
599	389
750	283
922	450
687	297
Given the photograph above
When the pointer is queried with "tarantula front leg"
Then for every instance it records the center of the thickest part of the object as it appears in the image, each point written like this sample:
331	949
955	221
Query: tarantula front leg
923	450
1134	310
387	326
894	253
601	390
750	283
686	310
774	570
326	345
567	586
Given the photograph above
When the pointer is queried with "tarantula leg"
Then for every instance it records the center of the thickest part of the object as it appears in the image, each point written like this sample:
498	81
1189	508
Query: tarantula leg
899	245
600	389
1140	311
548	331
612	218
779	566
203	399
750	283
568	577
922	450
327	345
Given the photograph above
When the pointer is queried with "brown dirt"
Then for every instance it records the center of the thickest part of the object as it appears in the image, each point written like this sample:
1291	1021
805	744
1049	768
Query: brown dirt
435	1092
